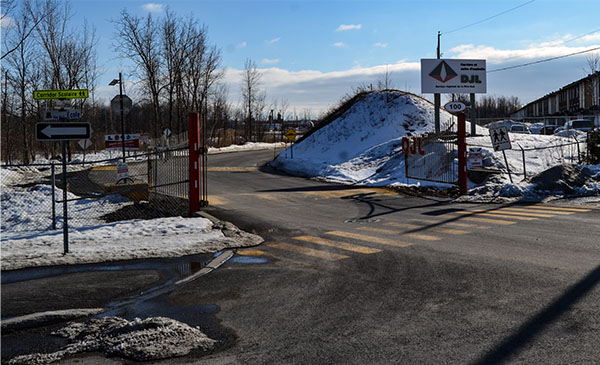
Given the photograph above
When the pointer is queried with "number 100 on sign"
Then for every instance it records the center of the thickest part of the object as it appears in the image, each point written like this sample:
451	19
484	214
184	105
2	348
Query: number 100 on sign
455	107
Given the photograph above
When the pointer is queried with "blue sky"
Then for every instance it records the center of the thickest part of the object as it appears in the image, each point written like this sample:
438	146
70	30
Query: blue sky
314	52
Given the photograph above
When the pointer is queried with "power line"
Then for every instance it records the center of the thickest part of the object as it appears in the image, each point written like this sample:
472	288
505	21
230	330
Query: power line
488	18
556	45
544	60
581	36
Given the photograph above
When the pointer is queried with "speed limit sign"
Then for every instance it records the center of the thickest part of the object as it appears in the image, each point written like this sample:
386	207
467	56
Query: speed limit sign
455	107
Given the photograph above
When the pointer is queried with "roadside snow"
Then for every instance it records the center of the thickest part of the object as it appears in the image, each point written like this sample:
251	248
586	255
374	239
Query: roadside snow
364	147
136	239
147	339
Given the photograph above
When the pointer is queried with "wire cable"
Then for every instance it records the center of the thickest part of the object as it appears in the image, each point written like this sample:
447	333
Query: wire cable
544	60
488	18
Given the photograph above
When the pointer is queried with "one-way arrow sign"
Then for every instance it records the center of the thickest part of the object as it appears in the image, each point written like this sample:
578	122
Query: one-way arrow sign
62	131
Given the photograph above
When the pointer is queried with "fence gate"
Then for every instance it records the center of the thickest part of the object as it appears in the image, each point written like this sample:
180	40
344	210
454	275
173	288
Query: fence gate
180	173
432	157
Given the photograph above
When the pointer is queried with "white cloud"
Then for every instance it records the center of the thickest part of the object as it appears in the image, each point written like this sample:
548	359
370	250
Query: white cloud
153	8
339	44
7	22
495	55
346	27
594	37
380	45
318	90
273	41
242	45
267	61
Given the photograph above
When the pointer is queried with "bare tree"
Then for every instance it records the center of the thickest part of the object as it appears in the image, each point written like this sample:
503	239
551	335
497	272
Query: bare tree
21	62
593	63
140	42
385	81
7	7
250	94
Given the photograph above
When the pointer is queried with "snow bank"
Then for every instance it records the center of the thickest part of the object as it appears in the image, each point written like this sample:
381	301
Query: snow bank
148	339
364	144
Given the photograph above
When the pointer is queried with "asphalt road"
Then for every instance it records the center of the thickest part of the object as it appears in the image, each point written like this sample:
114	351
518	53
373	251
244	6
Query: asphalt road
361	275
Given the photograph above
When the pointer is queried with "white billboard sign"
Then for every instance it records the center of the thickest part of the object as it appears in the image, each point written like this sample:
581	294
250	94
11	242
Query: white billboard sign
447	76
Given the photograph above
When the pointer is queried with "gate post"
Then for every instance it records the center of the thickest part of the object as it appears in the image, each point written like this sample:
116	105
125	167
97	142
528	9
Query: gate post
194	162
462	153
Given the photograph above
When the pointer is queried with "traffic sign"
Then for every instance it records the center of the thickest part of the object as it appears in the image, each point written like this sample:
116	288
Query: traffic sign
500	139
60	94
455	107
115	104
62	114
475	157
114	142
85	143
52	131
290	134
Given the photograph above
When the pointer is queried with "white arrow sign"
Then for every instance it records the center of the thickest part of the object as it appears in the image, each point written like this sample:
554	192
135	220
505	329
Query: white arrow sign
68	131
63	131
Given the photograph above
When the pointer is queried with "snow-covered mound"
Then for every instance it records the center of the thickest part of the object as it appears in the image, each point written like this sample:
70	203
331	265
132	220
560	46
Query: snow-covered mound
365	137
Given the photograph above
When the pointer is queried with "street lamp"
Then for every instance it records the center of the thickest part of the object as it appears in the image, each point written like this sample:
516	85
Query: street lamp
113	83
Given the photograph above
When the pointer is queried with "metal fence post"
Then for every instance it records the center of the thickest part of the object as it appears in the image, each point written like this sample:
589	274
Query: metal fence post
194	163
462	153
524	165
65	216
53	183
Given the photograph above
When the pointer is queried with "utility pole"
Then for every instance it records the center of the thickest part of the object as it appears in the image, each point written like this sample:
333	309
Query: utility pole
473	115
121	104
436	97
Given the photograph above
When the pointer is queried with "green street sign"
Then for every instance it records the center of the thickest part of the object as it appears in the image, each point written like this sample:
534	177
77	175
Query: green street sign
60	94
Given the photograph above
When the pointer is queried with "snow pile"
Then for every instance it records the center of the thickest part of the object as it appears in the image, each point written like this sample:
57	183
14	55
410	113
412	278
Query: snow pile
364	144
134	239
140	340
557	182
29	208
248	146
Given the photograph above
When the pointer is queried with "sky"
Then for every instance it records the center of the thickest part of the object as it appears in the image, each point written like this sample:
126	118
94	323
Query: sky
312	53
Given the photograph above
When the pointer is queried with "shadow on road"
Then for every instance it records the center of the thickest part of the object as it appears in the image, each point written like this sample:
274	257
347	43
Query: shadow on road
525	334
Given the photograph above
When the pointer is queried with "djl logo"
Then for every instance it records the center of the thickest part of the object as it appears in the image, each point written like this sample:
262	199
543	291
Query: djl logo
443	72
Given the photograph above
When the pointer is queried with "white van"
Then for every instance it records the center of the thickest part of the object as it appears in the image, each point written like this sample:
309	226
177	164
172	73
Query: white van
580	124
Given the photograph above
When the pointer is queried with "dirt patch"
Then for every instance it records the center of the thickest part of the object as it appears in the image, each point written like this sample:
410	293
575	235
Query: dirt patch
565	178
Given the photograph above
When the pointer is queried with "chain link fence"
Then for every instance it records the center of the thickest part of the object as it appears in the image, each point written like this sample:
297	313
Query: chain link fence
32	195
525	162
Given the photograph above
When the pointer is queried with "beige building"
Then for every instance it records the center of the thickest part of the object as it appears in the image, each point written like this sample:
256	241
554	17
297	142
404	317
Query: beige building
580	99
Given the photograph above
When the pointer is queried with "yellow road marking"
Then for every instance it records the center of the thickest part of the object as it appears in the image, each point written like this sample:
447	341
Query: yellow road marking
217	200
307	251
435	229
104	168
456	224
232	169
337	244
568	209
336	194
503	211
536	211
267	196
468	216
497	215
363	237
251	252
418	236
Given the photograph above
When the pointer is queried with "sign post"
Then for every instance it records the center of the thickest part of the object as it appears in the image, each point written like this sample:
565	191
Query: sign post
53	131
459	108
291	136
449	76
501	141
